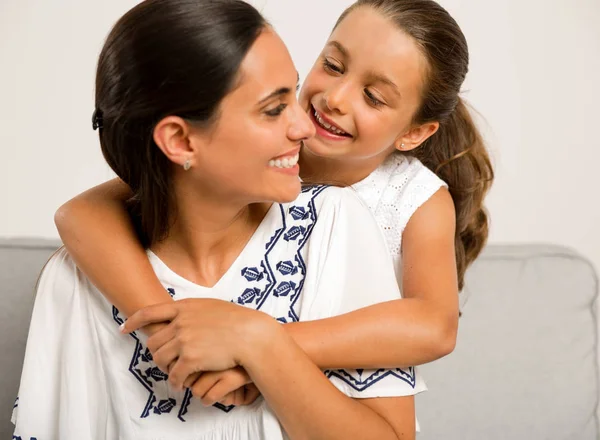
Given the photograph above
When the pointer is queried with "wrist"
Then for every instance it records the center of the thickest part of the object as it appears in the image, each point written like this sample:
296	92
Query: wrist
260	340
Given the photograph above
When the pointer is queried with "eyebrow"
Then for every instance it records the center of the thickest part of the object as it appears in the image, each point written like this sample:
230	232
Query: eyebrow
279	92
339	47
378	77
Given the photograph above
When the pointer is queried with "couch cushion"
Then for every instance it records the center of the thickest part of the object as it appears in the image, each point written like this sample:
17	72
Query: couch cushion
525	366
21	262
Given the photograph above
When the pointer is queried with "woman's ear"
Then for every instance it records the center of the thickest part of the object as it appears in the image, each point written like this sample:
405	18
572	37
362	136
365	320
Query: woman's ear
172	136
416	136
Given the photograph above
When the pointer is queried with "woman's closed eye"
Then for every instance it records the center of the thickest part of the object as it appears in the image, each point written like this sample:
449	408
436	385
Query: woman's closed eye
276	111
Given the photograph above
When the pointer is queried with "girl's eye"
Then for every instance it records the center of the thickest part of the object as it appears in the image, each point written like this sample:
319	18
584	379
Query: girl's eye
372	99
276	111
331	67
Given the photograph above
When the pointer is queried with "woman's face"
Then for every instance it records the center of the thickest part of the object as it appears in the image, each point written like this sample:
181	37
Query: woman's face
363	90
251	153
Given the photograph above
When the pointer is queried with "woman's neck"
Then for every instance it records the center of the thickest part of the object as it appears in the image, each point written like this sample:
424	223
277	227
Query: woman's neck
207	236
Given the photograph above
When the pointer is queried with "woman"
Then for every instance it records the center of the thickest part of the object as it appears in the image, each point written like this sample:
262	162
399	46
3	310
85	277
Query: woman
188	94
383	97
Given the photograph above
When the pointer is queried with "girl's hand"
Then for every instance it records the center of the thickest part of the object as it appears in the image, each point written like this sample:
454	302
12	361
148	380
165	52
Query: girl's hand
231	387
203	335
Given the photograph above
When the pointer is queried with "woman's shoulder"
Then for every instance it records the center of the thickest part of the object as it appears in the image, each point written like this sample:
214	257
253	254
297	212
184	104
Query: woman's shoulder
321	210
62	273
60	264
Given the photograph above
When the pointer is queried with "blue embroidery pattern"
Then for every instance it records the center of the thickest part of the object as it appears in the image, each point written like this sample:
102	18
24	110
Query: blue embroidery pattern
262	284
148	374
187	398
356	380
287	280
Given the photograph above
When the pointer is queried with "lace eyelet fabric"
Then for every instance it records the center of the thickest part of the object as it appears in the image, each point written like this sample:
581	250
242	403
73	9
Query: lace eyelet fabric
393	193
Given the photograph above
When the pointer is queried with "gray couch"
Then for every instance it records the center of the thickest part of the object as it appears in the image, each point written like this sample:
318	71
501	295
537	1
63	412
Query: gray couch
525	366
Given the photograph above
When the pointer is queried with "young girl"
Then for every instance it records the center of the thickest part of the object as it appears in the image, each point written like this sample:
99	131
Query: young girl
182	87
384	99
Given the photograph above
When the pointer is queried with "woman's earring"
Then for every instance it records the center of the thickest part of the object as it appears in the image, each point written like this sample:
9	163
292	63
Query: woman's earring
402	147
187	165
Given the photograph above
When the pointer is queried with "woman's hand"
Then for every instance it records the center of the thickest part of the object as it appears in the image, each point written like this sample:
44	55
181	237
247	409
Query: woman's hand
203	335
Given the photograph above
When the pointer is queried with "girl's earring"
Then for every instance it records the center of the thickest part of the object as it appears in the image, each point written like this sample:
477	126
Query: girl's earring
187	165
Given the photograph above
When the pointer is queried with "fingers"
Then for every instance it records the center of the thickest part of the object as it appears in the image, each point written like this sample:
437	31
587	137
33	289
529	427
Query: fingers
150	315
154	328
161	337
181	371
226	387
235	398
206	382
251	394
166	355
192	378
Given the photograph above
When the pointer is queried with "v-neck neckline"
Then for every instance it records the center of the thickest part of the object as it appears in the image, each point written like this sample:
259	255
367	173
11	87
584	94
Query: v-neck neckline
265	223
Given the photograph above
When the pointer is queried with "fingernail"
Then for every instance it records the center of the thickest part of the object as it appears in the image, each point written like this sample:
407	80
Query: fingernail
122	328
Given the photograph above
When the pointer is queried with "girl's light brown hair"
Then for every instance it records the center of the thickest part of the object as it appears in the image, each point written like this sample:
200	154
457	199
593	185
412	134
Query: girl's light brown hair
456	152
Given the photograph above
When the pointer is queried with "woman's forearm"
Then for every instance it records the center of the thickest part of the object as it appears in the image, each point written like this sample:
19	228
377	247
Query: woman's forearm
402	332
306	402
99	235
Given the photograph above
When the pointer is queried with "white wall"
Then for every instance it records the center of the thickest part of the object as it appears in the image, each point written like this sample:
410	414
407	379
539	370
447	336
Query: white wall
534	77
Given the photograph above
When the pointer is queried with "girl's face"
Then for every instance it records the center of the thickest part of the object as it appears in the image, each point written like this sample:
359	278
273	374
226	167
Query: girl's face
251	153
364	90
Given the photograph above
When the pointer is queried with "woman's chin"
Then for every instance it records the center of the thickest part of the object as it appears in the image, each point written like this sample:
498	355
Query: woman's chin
288	193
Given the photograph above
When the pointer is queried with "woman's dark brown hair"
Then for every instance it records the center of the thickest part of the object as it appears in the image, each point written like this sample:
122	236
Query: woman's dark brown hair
163	58
456	152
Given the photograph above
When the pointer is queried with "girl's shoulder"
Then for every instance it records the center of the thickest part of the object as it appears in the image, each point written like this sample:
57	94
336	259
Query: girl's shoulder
394	192
396	176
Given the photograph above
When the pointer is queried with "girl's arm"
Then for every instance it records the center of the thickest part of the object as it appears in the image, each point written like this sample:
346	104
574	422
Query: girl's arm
309	406
346	256
305	402
99	235
416	330
95	227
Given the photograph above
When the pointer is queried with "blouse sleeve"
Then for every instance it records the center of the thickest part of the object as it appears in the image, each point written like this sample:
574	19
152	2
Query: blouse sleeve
62	394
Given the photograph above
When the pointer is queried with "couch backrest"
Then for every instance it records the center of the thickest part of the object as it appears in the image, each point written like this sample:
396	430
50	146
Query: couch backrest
20	264
526	362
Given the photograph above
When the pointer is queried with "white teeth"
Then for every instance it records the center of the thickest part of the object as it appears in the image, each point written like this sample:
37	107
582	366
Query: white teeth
327	126
286	162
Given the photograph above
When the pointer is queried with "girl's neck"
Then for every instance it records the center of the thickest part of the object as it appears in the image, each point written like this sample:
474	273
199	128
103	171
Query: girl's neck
208	235
339	172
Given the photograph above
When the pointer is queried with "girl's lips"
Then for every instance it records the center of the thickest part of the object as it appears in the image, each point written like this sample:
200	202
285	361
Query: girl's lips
324	133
